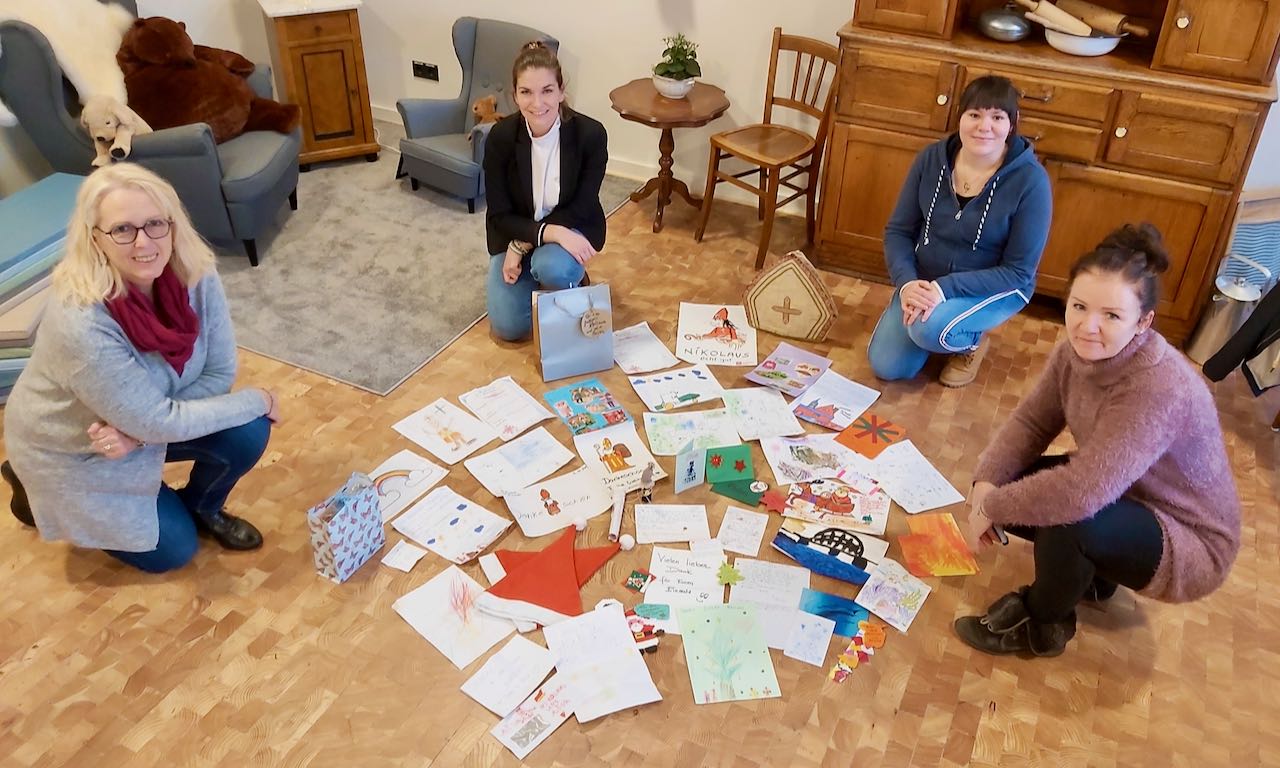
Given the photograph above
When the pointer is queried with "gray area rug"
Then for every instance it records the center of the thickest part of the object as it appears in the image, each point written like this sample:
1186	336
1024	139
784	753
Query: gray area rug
367	280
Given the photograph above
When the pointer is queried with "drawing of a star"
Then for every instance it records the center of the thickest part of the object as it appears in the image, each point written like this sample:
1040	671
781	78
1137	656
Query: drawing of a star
717	460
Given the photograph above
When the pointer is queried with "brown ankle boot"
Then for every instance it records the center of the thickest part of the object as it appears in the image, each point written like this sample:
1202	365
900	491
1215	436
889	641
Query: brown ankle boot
962	369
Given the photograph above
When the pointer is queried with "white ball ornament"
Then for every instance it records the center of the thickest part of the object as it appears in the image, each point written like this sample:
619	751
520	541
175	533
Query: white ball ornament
627	542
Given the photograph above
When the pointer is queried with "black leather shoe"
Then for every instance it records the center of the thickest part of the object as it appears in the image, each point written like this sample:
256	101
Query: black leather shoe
19	506
1007	613
975	632
1050	639
1100	590
230	531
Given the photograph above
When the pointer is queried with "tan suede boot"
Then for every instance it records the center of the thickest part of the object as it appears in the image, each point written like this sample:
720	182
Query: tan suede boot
962	369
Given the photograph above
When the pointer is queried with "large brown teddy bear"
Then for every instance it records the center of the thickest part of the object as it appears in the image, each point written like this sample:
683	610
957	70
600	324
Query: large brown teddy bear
171	82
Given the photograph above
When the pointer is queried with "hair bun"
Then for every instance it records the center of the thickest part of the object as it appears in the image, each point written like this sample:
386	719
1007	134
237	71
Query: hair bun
1144	240
533	45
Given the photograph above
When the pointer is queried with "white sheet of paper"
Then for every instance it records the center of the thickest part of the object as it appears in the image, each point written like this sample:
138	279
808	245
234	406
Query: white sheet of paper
685	578
638	350
450	525
691	468
618	456
550	505
670	390
505	406
443	611
448	432
742	530
909	479
670	432
759	412
403	556
810	639
510	675
536	719
834	401
775	589
665	523
893	594
519	463
402	479
810	457
715	334
597	654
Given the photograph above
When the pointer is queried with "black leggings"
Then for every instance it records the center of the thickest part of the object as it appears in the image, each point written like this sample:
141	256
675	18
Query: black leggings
1121	544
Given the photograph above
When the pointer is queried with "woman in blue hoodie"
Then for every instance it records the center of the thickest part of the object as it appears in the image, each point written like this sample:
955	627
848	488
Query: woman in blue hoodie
964	240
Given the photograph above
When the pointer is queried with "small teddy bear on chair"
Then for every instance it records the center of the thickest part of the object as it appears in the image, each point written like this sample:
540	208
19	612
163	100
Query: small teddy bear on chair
485	109
112	126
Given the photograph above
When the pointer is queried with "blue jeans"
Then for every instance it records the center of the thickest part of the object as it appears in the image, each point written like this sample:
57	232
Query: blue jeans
899	351
549	267
221	459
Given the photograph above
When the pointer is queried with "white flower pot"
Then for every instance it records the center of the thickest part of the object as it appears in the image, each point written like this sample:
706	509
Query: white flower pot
672	89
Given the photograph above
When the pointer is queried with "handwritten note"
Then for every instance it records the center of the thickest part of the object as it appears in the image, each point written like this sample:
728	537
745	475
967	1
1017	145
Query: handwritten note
550	505
451	526
403	556
909	479
537	718
519	463
742	530
810	638
597	654
638	350
509	676
663	523
505	406
684	578
775	590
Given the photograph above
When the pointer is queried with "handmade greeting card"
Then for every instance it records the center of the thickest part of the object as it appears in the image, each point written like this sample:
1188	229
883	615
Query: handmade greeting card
869	435
586	406
912	481
729	463
675	389
444	612
551	505
505	406
684	577
451	526
638	350
618	456
536	719
510	675
669	432
759	412
519	463
401	479
789	369
936	547
448	432
830	551
664	523
741	530
691	466
843	611
715	334
893	594
727	657
810	457
834	503
597	655
809	639
833	401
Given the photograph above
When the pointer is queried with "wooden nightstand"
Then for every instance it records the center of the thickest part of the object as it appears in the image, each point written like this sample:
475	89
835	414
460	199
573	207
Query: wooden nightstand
318	61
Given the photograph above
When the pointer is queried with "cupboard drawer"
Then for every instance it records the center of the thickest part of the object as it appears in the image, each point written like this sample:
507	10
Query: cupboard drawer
1054	97
316	26
898	90
1063	140
1198	139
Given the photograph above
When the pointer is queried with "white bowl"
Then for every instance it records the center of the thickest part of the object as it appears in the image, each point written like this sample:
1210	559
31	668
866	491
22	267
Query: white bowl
1096	44
673	89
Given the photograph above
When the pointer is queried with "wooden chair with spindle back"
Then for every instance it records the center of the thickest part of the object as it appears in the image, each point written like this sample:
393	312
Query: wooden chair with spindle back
780	152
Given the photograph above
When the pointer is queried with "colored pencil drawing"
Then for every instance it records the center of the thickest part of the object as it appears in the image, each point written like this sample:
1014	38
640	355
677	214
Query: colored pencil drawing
833	401
402	479
831	502
618	456
451	526
726	654
519	463
715	335
443	611
550	505
893	594
669	433
789	369
676	389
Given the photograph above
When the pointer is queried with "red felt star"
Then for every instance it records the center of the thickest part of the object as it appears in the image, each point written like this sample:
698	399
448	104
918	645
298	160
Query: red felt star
716	460
774	501
739	466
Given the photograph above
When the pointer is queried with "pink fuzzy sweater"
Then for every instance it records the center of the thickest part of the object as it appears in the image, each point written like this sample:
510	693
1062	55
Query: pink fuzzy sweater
1146	428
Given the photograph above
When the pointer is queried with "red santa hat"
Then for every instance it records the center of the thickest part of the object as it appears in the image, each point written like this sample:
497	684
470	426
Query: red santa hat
542	587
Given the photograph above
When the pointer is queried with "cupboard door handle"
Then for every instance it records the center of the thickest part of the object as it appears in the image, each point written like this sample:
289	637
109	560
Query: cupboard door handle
1121	132
1044	98
942	99
1035	139
1183	21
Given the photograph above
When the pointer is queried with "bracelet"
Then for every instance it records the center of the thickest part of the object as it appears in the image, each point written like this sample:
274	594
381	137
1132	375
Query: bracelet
521	249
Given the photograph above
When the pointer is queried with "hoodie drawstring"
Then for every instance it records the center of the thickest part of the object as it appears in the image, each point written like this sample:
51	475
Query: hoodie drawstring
985	209
928	218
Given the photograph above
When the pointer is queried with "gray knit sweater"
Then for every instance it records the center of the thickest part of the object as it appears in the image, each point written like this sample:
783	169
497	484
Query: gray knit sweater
83	369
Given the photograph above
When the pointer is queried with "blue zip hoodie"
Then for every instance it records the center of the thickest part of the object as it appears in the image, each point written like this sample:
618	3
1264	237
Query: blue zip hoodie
991	246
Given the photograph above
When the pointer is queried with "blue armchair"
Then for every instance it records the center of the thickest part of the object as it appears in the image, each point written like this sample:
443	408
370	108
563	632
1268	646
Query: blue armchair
232	190
443	147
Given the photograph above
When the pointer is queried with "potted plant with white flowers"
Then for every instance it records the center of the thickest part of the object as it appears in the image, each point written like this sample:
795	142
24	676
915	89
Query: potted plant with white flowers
673	76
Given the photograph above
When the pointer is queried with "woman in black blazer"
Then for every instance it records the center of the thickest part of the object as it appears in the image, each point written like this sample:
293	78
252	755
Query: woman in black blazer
543	167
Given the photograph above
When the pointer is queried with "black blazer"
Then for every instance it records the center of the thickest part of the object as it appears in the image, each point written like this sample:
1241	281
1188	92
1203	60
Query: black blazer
1260	331
508	181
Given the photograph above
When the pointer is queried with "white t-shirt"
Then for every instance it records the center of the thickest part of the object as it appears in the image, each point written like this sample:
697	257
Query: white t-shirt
546	171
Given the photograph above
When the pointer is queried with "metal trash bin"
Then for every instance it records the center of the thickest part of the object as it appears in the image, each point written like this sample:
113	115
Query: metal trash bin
1231	305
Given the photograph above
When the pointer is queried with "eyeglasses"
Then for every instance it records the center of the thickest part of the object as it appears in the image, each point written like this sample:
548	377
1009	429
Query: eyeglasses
127	234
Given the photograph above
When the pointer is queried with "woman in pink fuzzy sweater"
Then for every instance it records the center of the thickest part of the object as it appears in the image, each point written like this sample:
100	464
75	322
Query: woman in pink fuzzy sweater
1147	500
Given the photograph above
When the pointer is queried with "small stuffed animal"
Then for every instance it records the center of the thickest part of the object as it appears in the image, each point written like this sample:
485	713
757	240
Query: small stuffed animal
112	126
485	109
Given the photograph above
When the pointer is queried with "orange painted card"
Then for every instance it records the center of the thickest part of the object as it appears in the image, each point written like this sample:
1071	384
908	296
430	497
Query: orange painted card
869	435
936	547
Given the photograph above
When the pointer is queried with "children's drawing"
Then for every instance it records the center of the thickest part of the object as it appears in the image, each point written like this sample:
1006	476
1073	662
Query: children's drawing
551	505
833	503
830	551
741	530
586	406
810	457
597	654
809	639
534	720
843	611
618	456
505	406
833	401
774	589
869	435
447	431
509	676
451	526
726	654
676	389
638	350
669	432
443	611
912	481
715	334
936	547
729	463
691	465
519	463
758	412
861	648
789	369
401	479
893	594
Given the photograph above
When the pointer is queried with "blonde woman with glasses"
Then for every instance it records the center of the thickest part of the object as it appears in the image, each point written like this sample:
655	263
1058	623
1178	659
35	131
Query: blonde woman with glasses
133	367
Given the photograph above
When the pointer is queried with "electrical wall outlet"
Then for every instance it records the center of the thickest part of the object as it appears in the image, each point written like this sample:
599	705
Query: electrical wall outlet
426	71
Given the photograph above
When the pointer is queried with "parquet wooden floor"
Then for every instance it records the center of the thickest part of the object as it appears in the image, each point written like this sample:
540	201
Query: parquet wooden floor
251	659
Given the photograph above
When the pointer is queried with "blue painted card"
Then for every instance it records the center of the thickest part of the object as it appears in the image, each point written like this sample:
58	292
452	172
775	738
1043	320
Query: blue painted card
586	406
843	611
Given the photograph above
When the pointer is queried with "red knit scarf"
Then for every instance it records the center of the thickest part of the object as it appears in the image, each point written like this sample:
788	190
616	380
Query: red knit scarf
168	326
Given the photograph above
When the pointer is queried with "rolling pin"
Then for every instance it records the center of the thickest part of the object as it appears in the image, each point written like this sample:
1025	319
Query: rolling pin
1104	20
1051	15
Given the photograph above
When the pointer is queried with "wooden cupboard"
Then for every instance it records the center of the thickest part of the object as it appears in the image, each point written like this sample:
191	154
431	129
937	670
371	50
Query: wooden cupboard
1151	132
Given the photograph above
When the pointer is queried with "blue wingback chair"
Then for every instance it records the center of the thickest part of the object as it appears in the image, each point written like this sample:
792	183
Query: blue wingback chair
436	150
232	190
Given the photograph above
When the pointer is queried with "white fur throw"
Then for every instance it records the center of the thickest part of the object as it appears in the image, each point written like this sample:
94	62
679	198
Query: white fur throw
84	35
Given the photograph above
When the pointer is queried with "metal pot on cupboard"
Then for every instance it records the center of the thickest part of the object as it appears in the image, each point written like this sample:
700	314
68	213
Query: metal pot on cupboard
1006	23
